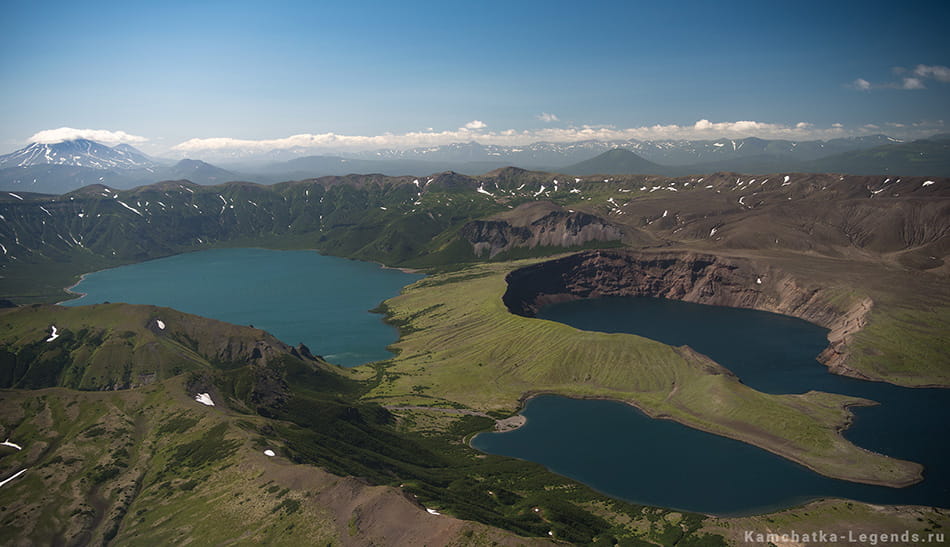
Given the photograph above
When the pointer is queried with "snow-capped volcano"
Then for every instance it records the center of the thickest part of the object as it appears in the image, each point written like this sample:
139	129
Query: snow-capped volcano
78	153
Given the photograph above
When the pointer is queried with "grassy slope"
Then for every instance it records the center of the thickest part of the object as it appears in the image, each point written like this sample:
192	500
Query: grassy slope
139	466
114	346
166	456
460	346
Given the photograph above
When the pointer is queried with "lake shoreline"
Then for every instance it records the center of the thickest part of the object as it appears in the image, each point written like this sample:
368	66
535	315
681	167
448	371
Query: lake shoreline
845	405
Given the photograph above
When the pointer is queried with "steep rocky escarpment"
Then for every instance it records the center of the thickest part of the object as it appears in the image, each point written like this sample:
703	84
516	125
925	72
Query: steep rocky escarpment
537	224
692	277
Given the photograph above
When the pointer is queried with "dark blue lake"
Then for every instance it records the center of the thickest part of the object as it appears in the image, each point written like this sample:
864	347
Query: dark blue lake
618	450
298	296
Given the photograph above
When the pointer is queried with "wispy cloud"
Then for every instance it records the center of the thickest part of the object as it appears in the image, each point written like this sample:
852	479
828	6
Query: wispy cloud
861	84
937	72
912	83
547	117
52	136
702	129
918	78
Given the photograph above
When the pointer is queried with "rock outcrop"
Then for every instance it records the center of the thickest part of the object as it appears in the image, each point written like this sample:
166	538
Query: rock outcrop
537	224
692	277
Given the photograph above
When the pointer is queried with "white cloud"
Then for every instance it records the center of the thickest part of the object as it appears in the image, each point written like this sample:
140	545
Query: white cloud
475	124
917	79
547	117
52	136
912	83
702	129
937	72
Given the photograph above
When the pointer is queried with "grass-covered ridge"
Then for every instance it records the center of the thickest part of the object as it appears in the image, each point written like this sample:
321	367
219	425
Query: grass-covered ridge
138	464
462	347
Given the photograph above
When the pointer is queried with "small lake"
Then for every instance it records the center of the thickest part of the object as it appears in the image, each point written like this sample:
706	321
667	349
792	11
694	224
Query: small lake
298	296
620	451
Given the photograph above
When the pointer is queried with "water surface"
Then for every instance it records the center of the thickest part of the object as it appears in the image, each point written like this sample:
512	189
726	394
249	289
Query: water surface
298	296
618	450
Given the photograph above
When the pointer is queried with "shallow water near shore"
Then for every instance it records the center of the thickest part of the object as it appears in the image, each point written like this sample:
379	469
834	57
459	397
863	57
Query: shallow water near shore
298	296
618	450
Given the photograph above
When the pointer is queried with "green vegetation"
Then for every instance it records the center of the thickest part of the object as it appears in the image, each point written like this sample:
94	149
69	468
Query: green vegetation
469	324
905	346
462	357
171	458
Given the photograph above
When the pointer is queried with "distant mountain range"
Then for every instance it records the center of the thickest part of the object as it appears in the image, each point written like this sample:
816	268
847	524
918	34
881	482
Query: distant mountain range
918	158
665	152
61	167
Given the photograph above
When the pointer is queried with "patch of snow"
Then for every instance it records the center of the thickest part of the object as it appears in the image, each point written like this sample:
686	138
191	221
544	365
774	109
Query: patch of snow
383	208
53	335
539	192
709	186
575	191
740	200
927	183
204	399
482	190
758	280
433	511
11	445
270	453
160	323
16	196
4	248
130	208
713	232
45	211
15	475
665	212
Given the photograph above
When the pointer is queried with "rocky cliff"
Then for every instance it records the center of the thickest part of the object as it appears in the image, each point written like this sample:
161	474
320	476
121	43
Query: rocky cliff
692	277
537	224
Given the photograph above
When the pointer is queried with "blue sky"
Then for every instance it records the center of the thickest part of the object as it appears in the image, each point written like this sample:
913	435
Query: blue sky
374	74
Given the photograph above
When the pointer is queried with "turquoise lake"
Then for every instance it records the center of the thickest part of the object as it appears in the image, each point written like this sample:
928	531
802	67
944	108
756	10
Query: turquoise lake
298	296
618	450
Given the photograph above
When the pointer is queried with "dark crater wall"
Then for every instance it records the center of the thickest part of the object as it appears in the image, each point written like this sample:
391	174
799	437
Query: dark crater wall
692	277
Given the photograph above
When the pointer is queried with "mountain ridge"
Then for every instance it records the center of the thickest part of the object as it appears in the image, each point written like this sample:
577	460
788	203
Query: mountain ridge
28	170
